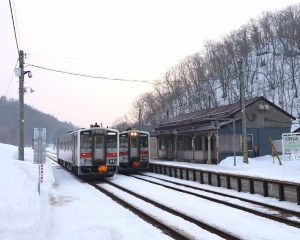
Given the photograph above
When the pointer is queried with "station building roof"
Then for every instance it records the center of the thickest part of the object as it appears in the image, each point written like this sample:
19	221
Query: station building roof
220	113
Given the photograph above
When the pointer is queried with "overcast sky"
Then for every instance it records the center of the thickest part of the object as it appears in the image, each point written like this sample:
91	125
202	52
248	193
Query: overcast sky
131	39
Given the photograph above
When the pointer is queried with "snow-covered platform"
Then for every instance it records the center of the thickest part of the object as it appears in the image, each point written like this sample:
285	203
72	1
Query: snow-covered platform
262	175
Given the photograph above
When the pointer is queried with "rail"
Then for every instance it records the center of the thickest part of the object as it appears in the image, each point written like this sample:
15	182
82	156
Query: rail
205	226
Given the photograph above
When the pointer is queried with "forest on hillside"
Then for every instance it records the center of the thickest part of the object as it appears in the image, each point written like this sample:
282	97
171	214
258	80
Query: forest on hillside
268	51
9	123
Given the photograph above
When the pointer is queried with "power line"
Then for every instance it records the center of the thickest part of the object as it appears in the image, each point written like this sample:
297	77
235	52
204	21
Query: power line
198	98
90	76
12	17
277	83
11	78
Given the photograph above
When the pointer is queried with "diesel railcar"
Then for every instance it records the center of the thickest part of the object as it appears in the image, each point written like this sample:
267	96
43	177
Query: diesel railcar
134	150
90	151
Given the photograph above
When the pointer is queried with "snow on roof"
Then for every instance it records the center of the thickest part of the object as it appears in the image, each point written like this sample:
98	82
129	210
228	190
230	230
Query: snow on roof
224	111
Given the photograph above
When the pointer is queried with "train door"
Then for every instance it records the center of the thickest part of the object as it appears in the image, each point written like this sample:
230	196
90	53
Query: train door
74	149
134	153
144	147
99	149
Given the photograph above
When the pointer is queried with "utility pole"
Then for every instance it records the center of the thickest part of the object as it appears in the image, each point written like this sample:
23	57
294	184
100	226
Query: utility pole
21	106
140	116
243	111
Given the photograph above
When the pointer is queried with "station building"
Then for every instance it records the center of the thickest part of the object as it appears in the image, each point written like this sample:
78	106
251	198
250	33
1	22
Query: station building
210	135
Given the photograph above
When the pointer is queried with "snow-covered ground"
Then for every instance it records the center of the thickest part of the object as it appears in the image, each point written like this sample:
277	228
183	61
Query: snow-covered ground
70	209
230	219
65	209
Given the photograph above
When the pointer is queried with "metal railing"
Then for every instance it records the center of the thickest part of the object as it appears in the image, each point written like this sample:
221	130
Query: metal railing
282	190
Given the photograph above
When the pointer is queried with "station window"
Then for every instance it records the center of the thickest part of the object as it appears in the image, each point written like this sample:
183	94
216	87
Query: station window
161	144
250	141
180	143
198	143
187	143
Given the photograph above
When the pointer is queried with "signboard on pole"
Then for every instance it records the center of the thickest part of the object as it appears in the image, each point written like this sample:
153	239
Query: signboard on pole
291	144
39	145
39	152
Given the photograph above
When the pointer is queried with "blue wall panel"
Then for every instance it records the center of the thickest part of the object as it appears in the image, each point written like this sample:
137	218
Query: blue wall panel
260	137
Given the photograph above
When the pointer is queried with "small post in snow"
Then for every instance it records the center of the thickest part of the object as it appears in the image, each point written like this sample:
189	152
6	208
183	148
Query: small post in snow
39	146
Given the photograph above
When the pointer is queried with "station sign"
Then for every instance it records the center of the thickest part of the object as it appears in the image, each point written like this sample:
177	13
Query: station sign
291	144
39	145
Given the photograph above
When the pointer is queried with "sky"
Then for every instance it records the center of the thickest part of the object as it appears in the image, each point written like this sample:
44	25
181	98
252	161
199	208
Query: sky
127	39
64	198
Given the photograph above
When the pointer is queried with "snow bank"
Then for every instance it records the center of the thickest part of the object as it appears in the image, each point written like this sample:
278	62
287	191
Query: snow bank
265	166
24	213
65	201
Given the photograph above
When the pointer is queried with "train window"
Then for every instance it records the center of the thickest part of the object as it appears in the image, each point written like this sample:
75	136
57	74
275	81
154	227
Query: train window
99	142
144	141
133	142
112	133
86	141
111	141
123	141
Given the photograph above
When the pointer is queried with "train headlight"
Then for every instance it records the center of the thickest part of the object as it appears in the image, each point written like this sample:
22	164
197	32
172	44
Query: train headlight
102	168
112	161
133	134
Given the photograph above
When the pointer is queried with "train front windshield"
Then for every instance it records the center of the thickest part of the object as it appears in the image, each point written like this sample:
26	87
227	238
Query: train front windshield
134	146
99	144
144	140
124	140
111	140
86	140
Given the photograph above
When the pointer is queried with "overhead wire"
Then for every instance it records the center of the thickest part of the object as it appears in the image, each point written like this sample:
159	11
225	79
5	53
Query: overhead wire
89	76
199	98
269	88
11	79
144	81
117	79
14	26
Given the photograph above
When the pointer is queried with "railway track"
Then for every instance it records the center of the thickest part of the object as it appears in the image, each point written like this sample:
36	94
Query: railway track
116	191
146	217
271	212
175	231
51	155
142	214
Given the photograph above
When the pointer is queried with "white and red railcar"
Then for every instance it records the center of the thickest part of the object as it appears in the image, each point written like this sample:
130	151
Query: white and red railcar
90	151
134	150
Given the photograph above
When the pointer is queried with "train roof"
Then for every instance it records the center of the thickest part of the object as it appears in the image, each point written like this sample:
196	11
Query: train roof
102	128
93	128
135	130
